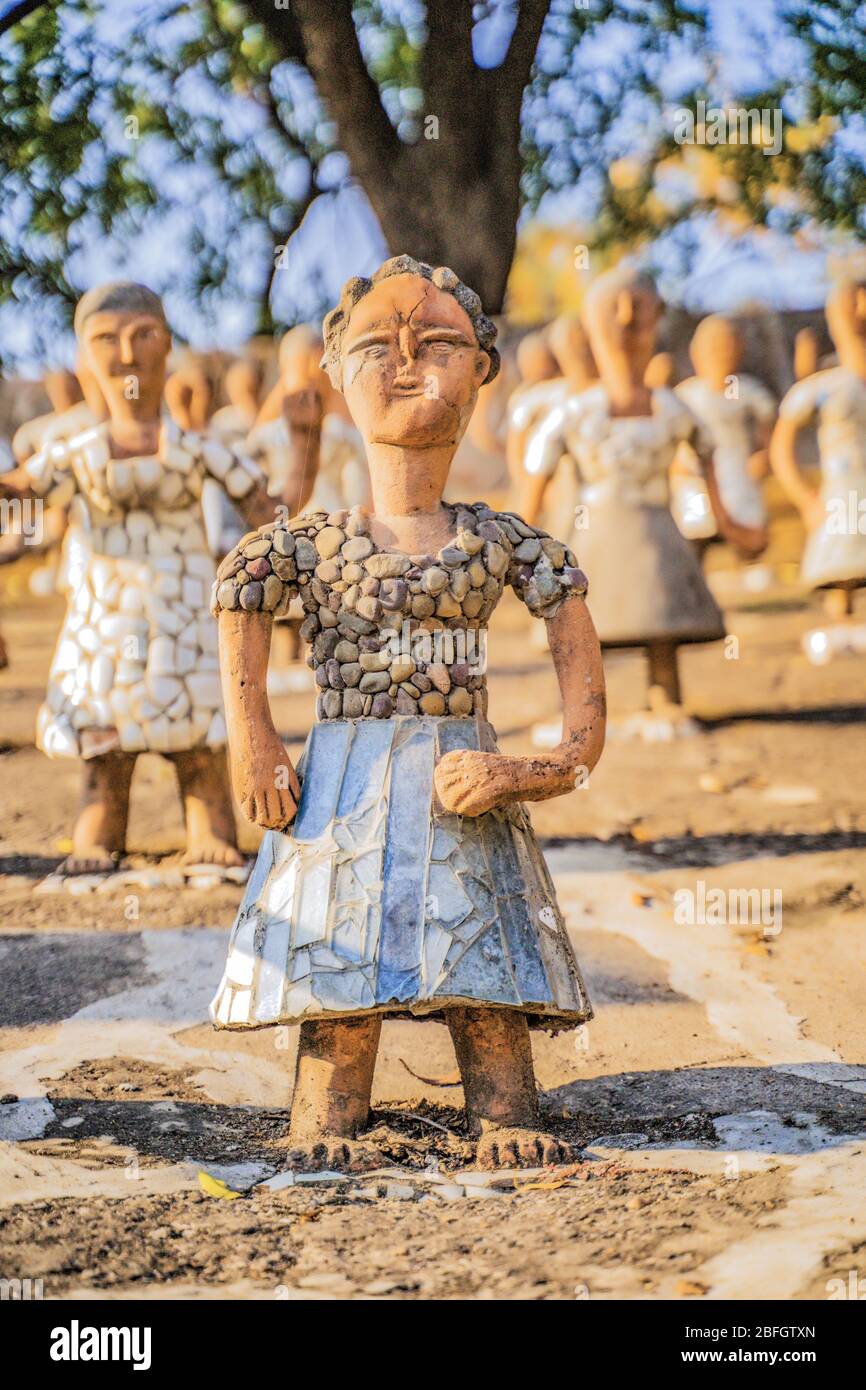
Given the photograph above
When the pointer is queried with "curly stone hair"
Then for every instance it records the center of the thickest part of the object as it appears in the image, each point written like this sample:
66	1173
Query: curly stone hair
334	326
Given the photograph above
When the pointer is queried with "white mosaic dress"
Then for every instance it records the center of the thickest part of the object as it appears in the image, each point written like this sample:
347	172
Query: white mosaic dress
729	426
135	667
647	583
377	900
835	552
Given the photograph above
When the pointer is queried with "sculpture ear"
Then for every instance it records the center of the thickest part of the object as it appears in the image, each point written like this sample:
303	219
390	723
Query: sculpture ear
860	302
624	308
482	365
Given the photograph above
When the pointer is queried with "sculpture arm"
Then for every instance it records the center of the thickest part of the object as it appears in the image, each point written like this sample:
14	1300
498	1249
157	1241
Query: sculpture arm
265	782
783	460
544	448
470	783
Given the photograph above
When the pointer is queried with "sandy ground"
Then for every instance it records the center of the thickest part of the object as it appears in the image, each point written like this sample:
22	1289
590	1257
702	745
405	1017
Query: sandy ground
719	1096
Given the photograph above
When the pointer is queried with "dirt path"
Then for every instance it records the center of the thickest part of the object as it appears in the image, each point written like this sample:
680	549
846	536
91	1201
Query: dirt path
720	1093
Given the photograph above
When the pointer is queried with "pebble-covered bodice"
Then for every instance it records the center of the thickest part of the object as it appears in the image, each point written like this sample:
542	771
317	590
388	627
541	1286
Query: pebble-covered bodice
392	633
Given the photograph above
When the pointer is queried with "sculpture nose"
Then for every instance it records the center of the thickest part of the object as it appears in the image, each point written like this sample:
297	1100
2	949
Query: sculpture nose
407	353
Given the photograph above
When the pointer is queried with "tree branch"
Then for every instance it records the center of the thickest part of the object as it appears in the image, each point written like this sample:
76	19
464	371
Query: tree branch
281	27
336	63
513	74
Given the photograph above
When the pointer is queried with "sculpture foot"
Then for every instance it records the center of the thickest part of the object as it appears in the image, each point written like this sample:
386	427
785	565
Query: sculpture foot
210	849
330	1152
521	1148
94	860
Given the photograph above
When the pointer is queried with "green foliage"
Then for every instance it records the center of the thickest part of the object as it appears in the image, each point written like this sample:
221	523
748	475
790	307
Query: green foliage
181	119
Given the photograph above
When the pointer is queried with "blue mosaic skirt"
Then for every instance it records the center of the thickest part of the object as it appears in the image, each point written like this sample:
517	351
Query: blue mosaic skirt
377	901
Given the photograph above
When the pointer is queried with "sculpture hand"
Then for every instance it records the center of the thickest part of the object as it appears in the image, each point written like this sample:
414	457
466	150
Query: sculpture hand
469	783
302	409
268	787
814	512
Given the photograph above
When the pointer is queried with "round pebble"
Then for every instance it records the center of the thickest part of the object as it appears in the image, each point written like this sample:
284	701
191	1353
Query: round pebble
434	703
374	681
358	548
283	542
434	579
272	592
284	567
251	596
329	540
306	555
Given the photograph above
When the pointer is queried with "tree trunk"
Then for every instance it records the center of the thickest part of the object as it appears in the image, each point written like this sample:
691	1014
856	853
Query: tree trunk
453	197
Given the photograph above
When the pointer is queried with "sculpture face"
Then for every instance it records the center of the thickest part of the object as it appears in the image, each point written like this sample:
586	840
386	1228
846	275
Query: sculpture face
716	349
117	345
846	315
622	325
574	354
535	361
411	364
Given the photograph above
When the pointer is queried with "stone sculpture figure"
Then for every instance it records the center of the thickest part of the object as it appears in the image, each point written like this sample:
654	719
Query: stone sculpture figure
538	368
242	385
648	589
575	372
189	395
304	438
736	412
834	559
135	668
399	875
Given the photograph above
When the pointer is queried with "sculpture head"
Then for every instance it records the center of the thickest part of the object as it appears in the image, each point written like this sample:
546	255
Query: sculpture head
124	341
535	359
807	352
409	348
716	348
621	314
572	351
243	384
846	317
660	371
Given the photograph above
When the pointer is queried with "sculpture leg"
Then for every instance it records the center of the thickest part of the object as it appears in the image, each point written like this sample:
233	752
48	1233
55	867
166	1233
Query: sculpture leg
211	837
331	1099
99	836
664	675
495	1060
839	603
